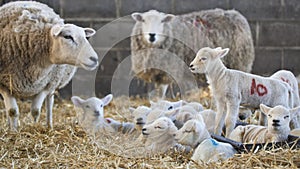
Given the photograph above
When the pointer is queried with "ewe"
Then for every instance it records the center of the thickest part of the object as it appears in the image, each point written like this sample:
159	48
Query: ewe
231	88
38	55
278	126
93	113
194	134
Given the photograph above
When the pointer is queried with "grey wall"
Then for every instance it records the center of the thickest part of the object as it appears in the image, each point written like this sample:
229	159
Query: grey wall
275	28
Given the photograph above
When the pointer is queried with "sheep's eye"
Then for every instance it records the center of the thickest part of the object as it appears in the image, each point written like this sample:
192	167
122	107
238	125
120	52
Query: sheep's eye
87	106
203	59
158	127
187	131
287	116
101	105
269	115
68	37
170	108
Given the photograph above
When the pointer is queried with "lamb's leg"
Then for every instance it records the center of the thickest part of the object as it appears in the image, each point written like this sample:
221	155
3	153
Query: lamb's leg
231	116
36	105
49	106
12	110
219	118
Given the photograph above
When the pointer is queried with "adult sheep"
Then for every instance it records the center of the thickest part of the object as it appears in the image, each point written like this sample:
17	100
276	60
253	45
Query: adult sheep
157	36
38	54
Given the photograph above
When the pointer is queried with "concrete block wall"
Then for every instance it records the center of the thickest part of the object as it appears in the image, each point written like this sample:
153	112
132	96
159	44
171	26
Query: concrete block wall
275	26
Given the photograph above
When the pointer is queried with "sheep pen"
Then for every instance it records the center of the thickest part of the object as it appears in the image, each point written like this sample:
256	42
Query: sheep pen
162	45
67	145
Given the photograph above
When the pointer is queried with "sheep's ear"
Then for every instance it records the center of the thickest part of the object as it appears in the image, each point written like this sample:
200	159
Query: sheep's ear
177	104
107	99
168	18
77	101
56	30
152	103
137	16
265	109
131	109
295	111
223	52
89	32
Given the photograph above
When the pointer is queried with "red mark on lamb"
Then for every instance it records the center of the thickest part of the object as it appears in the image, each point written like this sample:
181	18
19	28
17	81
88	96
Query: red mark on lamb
285	80
260	89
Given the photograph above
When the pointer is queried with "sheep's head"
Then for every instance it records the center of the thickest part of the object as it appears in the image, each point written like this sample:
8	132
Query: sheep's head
205	57
70	46
192	133
162	126
140	115
92	107
152	24
279	117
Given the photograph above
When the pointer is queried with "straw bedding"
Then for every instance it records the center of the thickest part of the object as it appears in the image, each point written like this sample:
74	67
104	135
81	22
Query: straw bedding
69	146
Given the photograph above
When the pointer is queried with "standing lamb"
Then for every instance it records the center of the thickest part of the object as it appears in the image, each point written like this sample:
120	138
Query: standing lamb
157	35
231	88
194	134
38	55
278	126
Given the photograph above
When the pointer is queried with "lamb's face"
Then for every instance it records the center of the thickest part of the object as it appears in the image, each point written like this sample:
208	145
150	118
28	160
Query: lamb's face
140	115
279	117
161	126
205	58
182	117
187	134
70	46
152	24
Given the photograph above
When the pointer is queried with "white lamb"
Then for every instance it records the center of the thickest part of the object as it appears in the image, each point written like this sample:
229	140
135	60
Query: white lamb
121	127
93	113
231	88
194	134
38	54
160	135
278	126
139	116
165	105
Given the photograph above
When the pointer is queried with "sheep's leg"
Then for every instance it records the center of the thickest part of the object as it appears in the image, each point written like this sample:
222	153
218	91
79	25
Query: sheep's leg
219	118
36	105
231	116
49	106
12	110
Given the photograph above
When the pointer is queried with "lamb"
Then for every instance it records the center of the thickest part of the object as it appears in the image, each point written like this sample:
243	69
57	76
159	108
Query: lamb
93	113
231	88
46	53
295	132
122	127
158	38
277	131
194	134
160	135
139	116
165	105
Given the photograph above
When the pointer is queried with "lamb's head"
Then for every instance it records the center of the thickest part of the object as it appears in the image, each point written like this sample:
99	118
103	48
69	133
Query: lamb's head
279	117
153	25
205	58
69	45
165	105
161	127
140	115
192	133
92	107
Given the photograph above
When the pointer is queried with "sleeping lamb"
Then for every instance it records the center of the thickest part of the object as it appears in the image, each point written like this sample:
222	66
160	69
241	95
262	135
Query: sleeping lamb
231	88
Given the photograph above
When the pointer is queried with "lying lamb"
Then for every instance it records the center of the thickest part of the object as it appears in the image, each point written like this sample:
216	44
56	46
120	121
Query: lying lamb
93	113
139	116
278	126
194	134
160	135
39	53
165	105
121	127
231	88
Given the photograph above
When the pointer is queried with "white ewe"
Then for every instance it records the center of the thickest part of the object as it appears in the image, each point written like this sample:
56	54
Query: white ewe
194	134
231	88
38	55
93	113
278	126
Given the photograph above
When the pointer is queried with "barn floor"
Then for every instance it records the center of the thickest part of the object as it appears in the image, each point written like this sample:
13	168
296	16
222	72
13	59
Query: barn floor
67	145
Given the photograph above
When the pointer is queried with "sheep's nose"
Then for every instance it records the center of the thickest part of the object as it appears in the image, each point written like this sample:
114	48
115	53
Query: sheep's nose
152	37
97	113
139	119
144	129
94	59
191	65
276	121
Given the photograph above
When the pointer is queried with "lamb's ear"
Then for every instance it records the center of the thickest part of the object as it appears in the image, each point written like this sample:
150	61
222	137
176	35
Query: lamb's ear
168	18
77	101
177	104
56	30
137	16
152	103
265	109
107	99
223	52
131	109
89	32
294	111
